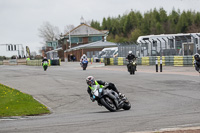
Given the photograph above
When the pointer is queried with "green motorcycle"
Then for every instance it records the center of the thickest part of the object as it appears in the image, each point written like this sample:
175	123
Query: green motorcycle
45	65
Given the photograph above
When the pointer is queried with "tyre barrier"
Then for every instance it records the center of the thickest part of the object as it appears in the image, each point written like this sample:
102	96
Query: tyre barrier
150	60
55	62
29	62
39	62
1	62
34	62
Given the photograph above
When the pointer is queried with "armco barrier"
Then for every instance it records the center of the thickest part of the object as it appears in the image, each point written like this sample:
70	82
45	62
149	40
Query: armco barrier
166	60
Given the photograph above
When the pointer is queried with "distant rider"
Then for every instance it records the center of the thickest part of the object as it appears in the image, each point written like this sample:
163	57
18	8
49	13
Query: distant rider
130	57
197	62
84	57
44	59
91	81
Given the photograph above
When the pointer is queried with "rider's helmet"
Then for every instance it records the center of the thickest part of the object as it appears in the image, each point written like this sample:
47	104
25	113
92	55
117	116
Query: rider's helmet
196	56
84	56
90	80
130	52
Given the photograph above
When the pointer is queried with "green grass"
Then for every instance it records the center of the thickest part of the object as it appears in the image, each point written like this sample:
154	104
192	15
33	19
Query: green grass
16	103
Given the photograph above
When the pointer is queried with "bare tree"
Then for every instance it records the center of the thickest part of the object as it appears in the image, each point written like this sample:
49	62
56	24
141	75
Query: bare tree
68	28
48	32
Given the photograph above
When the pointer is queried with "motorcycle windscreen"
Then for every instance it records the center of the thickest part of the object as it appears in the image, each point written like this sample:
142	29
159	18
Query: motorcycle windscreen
95	89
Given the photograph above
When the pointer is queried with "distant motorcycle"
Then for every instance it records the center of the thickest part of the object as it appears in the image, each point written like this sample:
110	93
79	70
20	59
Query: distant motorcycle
45	65
84	64
110	99
132	66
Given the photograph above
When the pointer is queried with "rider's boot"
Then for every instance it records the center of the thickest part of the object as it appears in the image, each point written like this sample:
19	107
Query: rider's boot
121	95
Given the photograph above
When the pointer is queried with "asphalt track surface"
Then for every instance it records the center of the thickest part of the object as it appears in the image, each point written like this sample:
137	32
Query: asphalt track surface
170	99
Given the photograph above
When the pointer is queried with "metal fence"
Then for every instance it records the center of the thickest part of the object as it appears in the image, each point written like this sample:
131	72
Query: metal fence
174	46
124	48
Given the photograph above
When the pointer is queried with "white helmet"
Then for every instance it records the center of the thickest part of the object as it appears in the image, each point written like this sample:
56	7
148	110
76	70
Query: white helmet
130	52
196	56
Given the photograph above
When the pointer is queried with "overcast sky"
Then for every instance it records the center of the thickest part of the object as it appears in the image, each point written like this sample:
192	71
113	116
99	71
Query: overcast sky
20	19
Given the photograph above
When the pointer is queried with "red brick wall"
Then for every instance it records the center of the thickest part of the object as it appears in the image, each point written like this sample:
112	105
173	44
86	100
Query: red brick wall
80	52
85	40
61	54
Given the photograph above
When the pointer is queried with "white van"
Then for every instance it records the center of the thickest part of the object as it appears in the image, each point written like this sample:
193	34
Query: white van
108	52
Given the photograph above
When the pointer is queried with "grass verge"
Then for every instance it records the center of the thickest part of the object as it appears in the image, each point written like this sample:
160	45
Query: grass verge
16	103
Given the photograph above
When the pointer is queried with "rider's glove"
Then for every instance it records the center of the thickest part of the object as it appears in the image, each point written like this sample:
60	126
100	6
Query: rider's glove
106	83
92	99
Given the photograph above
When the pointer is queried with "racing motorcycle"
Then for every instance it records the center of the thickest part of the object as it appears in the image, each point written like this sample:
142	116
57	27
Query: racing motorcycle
45	65
132	66
84	64
110	99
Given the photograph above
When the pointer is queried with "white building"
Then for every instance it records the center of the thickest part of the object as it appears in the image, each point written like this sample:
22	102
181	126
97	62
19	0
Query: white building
8	50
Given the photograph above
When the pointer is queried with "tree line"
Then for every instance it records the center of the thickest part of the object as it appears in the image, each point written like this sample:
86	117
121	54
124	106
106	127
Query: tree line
129	27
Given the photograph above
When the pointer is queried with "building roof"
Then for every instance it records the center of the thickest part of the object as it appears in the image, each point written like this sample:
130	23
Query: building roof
98	44
55	50
85	30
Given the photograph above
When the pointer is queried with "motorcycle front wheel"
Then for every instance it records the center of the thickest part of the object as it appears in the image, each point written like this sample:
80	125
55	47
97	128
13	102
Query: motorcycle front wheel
45	68
127	105
133	69
84	67
108	103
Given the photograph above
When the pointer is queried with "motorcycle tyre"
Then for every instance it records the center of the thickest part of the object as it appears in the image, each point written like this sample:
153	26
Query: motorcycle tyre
84	67
45	68
104	103
131	70
126	106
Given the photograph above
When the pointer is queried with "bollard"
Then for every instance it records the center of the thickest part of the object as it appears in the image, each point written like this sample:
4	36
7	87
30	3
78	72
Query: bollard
161	64
156	64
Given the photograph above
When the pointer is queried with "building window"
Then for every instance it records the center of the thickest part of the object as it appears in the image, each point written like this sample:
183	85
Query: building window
94	38
196	39
76	40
